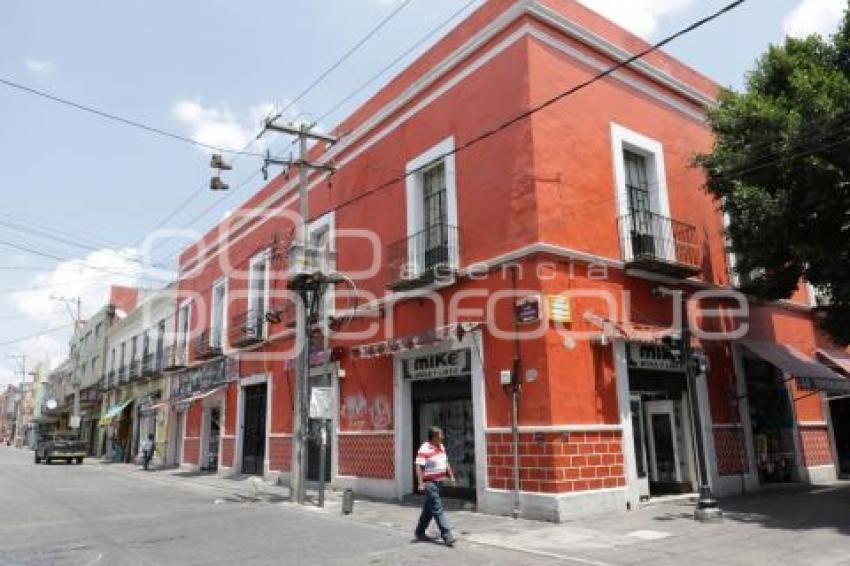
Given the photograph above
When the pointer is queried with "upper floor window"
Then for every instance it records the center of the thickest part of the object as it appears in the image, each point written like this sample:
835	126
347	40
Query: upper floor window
217	313
258	289
183	326
432	215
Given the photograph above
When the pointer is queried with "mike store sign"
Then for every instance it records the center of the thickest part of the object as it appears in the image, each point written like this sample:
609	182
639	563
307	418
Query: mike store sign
653	357
439	365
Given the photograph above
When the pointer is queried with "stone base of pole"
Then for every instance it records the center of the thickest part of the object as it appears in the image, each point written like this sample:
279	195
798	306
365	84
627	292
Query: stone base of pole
708	510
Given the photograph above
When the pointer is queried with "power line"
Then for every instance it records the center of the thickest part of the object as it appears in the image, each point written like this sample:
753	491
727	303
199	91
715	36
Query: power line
83	265
120	119
354	48
36	335
242	184
395	61
325	74
547	103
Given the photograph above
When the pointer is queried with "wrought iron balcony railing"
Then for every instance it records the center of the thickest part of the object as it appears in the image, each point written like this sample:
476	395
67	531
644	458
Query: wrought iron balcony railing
123	374
174	357
207	345
150	365
247	328
111	379
655	243
135	369
424	257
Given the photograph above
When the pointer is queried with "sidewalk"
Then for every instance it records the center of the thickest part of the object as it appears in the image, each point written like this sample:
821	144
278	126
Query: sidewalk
794	525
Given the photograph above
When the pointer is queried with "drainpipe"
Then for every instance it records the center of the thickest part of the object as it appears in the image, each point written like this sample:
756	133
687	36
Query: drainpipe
514	390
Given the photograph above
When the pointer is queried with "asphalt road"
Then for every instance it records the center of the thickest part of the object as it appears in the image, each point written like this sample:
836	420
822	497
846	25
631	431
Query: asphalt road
87	515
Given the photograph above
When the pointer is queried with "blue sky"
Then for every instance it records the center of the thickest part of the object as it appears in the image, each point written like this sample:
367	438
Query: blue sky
210	70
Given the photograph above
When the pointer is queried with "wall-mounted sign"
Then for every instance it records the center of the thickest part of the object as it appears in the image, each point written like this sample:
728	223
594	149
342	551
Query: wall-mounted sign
439	365
560	309
321	403
527	309
204	378
654	357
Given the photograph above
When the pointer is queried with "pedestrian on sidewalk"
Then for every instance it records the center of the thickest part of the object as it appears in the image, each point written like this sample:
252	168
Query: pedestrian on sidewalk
147	451
432	471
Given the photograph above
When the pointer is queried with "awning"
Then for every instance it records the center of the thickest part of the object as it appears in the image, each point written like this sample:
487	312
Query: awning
200	396
810	374
838	358
113	412
156	407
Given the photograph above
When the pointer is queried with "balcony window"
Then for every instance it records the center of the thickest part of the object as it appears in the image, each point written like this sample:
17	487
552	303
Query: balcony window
431	243
258	286
217	314
183	326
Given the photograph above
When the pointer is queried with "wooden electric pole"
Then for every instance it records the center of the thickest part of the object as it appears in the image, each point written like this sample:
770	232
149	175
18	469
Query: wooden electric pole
302	278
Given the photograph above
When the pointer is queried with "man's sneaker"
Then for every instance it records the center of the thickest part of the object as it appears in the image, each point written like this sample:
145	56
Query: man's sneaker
450	542
424	538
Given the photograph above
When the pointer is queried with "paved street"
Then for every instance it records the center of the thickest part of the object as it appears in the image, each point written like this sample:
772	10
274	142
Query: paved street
86	515
116	514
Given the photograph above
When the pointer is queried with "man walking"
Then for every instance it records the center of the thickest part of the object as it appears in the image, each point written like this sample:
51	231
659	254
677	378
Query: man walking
432	470
147	451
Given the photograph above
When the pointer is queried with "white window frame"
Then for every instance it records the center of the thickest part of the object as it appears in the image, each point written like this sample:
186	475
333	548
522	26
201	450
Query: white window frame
622	140
187	334
414	196
221	282
262	257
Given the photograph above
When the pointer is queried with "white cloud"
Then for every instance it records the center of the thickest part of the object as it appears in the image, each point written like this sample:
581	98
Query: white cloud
641	17
814	16
218	125
40	66
88	278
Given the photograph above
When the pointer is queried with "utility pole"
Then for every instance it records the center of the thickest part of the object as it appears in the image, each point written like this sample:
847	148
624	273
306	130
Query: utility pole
75	380
305	278
21	359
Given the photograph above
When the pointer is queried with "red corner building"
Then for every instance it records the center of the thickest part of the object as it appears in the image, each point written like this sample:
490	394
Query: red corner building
555	246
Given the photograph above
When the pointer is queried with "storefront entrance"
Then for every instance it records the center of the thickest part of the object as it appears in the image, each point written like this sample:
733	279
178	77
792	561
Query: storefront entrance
254	430
447	403
661	423
212	439
840	413
772	422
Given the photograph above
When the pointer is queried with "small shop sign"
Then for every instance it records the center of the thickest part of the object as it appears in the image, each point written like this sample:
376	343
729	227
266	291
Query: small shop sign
321	403
527	310
560	309
438	365
203	378
653	357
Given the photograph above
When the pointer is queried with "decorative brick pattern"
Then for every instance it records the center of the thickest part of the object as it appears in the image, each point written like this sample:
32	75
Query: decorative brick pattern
367	456
558	462
816	448
191	450
731	451
280	453
228	446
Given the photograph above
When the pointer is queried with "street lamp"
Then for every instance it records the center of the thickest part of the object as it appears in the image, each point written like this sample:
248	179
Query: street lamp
695	364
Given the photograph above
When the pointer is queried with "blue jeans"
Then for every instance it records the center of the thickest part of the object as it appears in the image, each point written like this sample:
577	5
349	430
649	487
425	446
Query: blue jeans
433	509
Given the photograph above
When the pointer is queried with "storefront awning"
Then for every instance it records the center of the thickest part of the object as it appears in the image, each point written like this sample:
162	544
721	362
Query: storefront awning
199	396
156	407
810	374
838	358
113	412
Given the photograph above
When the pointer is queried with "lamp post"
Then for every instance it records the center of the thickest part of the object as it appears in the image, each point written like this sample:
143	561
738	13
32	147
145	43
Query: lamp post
707	507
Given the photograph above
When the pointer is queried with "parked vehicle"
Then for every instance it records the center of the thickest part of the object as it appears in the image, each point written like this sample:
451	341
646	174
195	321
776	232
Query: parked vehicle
60	446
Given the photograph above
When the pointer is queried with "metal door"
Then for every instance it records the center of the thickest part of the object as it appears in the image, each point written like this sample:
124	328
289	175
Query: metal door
254	430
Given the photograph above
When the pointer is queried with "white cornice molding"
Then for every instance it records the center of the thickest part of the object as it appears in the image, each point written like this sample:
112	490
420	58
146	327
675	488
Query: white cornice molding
615	52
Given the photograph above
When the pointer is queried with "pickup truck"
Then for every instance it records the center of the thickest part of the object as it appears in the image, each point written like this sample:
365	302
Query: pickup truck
60	446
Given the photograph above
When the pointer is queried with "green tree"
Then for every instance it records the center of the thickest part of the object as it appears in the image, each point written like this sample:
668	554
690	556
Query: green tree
781	169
